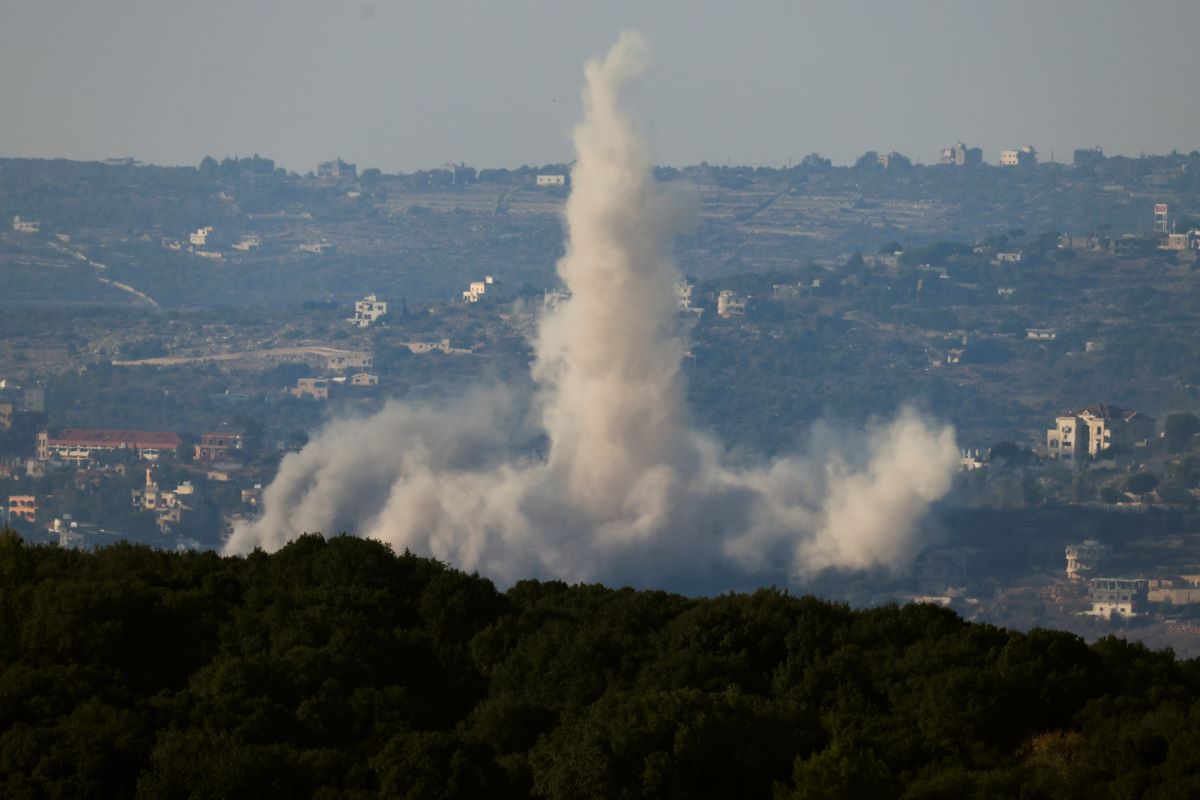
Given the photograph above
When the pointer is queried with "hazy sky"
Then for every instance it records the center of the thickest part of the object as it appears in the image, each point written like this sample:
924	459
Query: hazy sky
409	85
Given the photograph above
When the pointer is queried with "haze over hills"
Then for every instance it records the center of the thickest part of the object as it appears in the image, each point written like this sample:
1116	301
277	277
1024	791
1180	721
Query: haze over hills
407	87
424	235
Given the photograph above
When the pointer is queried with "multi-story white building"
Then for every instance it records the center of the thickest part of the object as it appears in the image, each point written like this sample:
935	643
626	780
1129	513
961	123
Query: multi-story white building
1124	597
368	311
1093	430
1021	157
25	225
551	180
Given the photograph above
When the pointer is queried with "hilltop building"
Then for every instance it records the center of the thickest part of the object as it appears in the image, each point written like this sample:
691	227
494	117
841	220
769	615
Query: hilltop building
962	156
551	180
337	169
1088	156
1024	156
1093	430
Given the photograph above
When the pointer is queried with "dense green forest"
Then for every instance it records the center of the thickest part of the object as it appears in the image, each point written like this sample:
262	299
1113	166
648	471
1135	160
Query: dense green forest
340	669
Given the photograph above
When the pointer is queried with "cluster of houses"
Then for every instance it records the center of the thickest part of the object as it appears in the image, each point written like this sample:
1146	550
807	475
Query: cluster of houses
200	244
1124	597
355	373
98	453
167	505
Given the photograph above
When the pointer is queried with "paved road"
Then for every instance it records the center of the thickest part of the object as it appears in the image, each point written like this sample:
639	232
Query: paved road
271	352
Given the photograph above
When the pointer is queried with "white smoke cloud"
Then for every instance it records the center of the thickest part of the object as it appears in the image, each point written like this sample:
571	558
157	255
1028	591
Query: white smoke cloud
627	491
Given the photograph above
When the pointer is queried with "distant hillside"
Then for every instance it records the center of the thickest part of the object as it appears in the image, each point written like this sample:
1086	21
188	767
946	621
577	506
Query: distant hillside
425	235
339	669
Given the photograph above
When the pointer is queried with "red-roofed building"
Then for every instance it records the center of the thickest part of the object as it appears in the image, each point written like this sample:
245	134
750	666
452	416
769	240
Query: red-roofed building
78	444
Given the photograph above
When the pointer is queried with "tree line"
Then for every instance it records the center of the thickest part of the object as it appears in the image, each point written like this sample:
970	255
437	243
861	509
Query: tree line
338	668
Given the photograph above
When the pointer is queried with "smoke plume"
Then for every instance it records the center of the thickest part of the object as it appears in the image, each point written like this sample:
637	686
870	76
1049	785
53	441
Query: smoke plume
627	490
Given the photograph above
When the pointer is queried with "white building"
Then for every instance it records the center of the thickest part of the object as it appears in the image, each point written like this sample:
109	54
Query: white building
1021	157
26	225
1124	597
478	289
730	304
551	180
1093	430
368	310
248	242
199	237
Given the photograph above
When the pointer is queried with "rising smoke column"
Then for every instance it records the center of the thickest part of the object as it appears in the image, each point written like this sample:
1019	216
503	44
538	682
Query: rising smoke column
628	491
